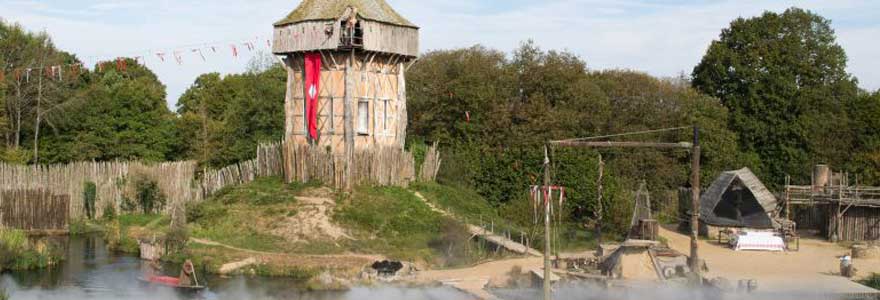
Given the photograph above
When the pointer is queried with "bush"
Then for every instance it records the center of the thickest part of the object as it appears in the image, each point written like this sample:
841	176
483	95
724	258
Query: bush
109	212
149	197
90	192
872	281
17	253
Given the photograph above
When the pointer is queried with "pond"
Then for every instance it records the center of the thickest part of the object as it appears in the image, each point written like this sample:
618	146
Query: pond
92	272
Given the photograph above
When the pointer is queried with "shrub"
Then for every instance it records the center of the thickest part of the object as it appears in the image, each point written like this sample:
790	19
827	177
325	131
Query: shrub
149	196
109	212
90	192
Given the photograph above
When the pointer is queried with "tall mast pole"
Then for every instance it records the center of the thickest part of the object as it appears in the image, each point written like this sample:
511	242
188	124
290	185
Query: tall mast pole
695	203
546	187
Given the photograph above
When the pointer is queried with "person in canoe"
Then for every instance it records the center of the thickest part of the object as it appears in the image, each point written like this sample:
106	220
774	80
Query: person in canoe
186	281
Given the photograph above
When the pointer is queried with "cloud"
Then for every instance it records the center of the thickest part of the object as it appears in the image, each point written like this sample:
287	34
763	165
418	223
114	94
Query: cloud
662	38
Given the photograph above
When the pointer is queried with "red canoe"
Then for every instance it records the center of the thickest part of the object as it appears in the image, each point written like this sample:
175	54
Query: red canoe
173	282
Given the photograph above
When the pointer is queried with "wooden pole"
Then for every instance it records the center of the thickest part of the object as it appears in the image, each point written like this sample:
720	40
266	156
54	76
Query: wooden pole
695	201
547	274
600	207
349	122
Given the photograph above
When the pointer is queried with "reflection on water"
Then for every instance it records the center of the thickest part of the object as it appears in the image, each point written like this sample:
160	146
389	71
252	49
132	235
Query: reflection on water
92	272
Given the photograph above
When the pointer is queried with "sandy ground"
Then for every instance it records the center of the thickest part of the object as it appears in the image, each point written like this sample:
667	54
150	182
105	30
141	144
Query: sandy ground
814	267
474	279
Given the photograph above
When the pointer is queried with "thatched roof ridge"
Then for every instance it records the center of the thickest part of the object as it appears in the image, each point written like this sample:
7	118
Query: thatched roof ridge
315	10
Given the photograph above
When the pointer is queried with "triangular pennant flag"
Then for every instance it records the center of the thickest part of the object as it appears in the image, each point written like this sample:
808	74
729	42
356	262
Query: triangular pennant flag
269	44
2	76
60	75
234	51
74	68
214	49
101	67
138	59
199	51
17	74
178	58
161	56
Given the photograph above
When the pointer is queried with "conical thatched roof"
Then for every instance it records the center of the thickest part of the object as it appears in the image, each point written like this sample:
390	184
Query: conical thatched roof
375	10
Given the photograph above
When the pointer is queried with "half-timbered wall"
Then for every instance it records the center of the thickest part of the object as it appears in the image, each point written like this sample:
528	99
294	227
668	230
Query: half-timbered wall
377	85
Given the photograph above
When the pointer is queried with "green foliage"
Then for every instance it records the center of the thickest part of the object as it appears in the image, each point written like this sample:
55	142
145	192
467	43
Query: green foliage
17	253
117	237
518	104
783	77
223	120
90	192
149	197
109	212
872	281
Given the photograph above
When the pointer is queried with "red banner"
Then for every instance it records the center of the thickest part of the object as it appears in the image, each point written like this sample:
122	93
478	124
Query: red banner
313	89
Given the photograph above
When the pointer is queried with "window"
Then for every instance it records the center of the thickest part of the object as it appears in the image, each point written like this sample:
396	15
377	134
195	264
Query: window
385	116
363	116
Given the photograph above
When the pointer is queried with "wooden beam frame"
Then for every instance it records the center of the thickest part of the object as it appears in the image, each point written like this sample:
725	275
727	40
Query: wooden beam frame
583	144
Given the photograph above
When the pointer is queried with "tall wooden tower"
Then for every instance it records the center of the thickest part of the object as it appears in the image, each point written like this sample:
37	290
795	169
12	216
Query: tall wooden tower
345	60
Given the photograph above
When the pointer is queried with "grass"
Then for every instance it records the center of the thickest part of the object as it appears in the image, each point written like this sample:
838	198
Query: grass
391	221
238	216
18	253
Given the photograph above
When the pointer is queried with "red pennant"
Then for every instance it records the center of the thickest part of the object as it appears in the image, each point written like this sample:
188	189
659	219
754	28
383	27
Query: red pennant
18	75
467	116
2	76
50	71
234	51
74	69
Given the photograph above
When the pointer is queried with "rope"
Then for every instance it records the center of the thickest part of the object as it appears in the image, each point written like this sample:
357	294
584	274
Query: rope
623	134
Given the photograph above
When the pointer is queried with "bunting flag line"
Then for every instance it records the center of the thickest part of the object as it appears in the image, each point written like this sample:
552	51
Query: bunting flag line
56	72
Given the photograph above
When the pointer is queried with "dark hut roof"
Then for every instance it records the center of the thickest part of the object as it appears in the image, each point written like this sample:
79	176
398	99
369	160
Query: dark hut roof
314	10
764	199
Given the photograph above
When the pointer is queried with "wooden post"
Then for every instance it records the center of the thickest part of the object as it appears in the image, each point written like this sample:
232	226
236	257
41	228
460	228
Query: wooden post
599	206
349	122
547	274
695	203
402	113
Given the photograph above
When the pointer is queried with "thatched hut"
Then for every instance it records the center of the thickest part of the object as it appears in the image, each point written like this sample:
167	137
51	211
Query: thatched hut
737	199
346	63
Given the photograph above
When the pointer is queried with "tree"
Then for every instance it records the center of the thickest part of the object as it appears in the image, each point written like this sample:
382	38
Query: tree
783	78
224	119
120	114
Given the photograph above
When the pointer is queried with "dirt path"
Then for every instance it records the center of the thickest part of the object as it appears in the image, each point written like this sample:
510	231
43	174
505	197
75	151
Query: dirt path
814	267
216	244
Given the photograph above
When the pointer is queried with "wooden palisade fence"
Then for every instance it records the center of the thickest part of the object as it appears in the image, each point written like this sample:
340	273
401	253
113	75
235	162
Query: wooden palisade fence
112	181
386	166
34	210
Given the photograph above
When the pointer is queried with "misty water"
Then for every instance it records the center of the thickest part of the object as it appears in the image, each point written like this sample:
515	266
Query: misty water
91	272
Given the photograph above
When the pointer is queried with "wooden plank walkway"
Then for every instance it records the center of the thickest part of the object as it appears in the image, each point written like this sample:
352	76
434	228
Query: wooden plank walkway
487	235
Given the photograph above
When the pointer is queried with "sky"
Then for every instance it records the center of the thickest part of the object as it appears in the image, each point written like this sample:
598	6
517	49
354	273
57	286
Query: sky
660	37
